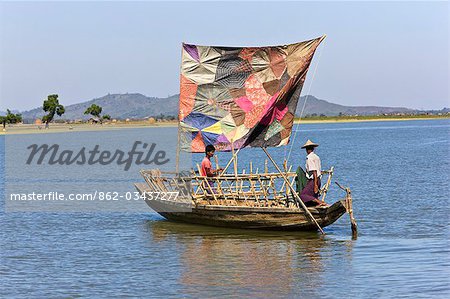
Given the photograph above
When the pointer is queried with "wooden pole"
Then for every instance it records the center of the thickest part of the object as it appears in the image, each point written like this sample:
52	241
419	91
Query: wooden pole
327	185
235	166
229	162
234	159
349	208
179	117
350	213
313	220
177	160
285	170
217	161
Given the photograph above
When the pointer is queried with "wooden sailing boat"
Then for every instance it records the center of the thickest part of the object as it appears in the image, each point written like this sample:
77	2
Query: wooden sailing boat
236	98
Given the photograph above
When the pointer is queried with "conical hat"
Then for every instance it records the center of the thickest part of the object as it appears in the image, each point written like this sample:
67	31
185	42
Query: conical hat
310	143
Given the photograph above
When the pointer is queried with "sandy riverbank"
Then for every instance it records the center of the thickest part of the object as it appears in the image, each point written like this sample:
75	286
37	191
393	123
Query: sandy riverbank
67	128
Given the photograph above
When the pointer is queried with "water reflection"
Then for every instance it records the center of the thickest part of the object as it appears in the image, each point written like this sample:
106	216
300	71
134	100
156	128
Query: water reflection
245	262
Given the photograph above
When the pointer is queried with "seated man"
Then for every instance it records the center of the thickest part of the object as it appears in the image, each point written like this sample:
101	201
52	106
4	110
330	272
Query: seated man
310	194
206	167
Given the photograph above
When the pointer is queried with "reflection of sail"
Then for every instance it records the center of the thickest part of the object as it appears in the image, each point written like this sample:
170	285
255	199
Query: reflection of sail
248	263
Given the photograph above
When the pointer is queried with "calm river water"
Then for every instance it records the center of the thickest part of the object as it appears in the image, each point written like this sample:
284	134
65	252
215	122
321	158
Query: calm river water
399	175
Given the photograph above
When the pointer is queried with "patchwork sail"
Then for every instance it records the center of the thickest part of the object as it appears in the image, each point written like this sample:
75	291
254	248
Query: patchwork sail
241	97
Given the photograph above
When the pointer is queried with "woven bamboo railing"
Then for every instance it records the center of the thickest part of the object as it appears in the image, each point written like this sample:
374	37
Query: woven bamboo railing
236	189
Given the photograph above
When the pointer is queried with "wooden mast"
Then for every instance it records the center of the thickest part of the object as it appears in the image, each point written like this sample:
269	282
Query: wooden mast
177	159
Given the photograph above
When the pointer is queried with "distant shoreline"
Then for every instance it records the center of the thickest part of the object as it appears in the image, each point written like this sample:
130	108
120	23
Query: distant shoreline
347	119
67	128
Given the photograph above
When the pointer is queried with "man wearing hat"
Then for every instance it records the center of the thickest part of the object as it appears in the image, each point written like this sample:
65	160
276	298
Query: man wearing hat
310	194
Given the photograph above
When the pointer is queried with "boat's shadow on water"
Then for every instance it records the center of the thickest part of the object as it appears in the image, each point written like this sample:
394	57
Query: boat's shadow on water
214	259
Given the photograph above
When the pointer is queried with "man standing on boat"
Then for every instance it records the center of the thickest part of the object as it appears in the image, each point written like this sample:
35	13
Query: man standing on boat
310	194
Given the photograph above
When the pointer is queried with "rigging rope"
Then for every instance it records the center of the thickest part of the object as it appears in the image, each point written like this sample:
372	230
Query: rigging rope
304	104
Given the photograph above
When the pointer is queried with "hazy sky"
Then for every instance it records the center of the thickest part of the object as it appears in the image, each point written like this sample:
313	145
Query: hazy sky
388	53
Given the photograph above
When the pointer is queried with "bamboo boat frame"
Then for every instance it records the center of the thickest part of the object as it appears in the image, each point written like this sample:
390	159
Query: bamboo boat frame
242	189
264	200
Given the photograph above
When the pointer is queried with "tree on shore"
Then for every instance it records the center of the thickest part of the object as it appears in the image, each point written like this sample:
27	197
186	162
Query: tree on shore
10	118
52	107
95	111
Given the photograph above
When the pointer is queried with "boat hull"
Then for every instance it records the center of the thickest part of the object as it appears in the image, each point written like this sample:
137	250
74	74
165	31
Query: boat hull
267	218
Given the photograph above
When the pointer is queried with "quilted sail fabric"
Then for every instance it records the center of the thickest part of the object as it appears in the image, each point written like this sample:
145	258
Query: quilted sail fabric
241	96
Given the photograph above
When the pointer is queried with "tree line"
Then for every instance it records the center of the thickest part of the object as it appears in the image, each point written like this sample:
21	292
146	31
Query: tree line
52	107
10	118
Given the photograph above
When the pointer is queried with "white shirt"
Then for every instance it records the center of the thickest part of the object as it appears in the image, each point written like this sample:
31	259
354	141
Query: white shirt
313	163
